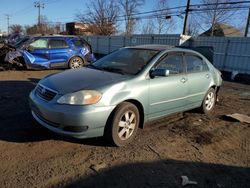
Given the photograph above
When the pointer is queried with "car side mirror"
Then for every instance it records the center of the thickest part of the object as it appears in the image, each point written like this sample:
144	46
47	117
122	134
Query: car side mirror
159	72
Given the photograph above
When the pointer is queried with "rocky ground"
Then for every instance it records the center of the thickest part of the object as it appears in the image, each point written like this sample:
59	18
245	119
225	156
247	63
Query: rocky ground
213	151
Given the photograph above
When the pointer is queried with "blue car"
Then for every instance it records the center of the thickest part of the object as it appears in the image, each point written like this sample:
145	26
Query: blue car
46	52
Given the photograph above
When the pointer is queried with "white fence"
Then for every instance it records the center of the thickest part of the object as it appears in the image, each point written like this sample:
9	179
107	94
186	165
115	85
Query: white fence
230	53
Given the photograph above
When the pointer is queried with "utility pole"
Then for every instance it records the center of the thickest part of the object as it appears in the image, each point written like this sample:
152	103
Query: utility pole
39	5
186	17
247	25
8	22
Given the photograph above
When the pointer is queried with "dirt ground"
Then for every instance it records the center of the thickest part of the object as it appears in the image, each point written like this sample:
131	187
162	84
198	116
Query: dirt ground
214	151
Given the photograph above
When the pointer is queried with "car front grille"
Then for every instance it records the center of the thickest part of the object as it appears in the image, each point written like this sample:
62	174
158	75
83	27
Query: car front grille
45	93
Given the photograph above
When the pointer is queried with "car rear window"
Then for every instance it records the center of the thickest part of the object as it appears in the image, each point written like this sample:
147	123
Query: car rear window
58	43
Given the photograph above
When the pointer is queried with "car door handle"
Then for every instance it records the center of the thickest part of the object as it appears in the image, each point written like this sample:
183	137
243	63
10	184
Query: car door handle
207	76
183	80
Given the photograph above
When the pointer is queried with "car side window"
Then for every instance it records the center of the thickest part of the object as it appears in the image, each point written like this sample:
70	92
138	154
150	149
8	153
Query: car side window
78	43
57	43
173	63
195	64
39	44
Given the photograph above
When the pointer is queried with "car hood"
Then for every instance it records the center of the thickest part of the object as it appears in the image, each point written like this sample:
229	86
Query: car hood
83	78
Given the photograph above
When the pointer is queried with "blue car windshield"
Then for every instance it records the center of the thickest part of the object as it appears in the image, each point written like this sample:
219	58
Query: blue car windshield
126	60
22	42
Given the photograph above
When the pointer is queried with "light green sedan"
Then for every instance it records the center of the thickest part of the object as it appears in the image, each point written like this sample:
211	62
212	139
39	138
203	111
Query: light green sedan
117	94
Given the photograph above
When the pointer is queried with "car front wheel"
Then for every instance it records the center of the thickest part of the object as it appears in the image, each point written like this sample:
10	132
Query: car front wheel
209	101
122	127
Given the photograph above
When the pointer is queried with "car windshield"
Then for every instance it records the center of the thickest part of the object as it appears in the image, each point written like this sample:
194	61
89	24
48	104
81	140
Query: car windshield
21	42
125	60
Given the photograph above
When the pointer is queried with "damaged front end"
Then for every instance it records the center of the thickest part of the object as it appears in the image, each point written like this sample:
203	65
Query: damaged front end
7	50
15	58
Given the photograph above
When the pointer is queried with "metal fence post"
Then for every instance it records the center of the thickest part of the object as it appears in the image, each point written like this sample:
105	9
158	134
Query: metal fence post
109	44
152	39
225	54
97	44
124	39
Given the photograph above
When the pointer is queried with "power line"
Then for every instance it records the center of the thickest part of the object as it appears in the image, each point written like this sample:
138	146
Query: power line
177	13
220	8
180	7
23	10
222	3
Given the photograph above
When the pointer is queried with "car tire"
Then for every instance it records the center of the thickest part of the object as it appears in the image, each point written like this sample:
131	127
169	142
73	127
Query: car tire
209	101
76	62
123	124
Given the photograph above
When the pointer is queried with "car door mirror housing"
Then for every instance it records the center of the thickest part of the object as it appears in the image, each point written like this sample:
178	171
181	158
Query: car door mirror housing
159	72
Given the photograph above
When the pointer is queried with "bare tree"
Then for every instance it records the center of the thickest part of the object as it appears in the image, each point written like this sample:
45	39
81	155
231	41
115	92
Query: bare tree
129	9
192	26
101	18
217	11
16	28
45	27
148	27
162	24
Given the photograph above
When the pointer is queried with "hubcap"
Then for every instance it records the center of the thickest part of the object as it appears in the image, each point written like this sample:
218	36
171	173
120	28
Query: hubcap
76	63
209	101
126	125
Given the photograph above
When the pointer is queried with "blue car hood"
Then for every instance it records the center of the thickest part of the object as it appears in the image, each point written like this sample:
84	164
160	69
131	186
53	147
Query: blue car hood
83	78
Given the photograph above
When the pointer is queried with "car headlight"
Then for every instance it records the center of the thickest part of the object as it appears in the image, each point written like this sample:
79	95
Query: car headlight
83	97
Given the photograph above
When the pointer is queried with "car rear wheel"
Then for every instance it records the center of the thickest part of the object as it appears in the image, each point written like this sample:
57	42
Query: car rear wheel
76	62
123	125
209	101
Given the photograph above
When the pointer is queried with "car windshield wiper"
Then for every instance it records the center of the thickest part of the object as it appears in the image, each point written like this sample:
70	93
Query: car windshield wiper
112	69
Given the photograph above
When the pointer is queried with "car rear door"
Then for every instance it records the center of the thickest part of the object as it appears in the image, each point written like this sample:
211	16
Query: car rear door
199	79
59	52
167	94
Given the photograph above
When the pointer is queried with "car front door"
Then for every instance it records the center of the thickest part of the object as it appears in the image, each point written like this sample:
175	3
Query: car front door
36	52
199	79
58	52
167	94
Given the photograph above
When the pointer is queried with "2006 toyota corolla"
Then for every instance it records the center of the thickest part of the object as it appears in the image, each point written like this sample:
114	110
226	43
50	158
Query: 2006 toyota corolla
120	92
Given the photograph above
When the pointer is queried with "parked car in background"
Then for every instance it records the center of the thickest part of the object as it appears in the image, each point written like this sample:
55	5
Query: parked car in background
46	52
118	93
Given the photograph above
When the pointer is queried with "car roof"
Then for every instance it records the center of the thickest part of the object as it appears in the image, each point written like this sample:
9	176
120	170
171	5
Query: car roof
157	47
206	51
58	36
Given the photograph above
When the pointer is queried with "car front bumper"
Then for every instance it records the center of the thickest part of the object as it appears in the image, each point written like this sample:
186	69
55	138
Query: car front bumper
70	120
